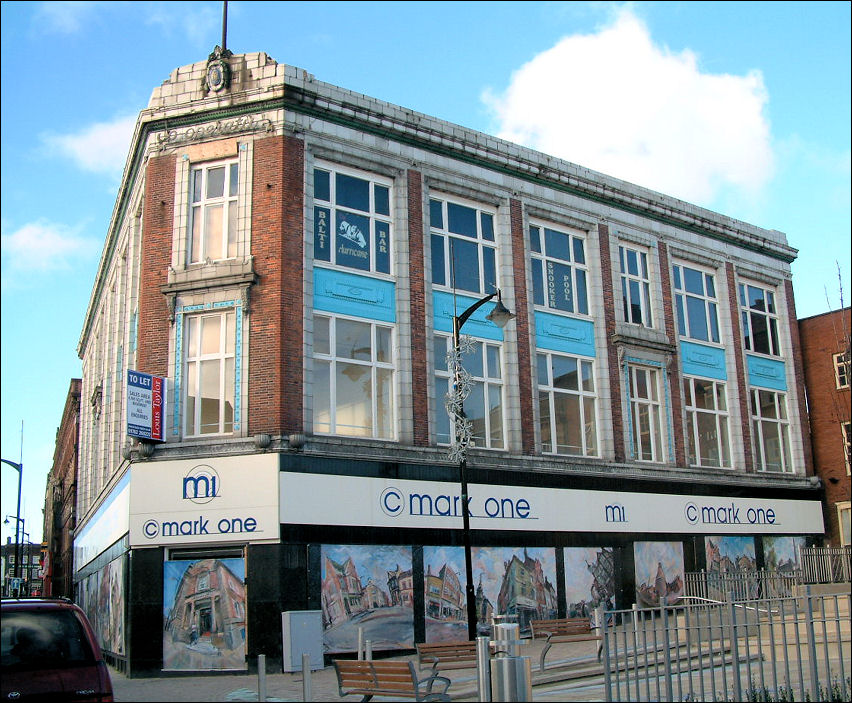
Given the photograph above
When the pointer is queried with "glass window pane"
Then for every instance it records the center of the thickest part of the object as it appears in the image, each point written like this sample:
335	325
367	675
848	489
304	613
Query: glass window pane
214	234
489	272
439	274
708	439
216	182
197	179
535	239
352	192
542	368
632	262
560	289
579	250
197	222
473	362
352	240
383	345
474	408
210	334
714	323
209	386
234	182
703	394
436	214
569	427
538	282
321	336
353	340
697	318
588	376
493	359
384	403
229	333
721	400
544	412
677	283
382	246
565	373
228	405
495	416
557	244
486	221
322	185
191	393
381	195
709	287
440	347
582	297
590	422
465	265
461	220
354	400
681	318
442	418
693	281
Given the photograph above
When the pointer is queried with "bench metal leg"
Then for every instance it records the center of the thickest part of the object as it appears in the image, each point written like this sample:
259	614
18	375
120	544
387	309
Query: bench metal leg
543	654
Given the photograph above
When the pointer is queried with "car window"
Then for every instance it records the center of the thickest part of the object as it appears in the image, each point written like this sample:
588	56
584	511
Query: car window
43	639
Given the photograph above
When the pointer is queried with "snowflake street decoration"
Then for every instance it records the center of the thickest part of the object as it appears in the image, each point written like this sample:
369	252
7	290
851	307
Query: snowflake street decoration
462	427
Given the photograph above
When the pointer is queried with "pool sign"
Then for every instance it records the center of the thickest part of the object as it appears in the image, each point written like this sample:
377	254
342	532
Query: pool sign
146	406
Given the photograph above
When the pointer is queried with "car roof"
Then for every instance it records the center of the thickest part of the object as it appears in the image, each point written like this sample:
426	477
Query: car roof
38	604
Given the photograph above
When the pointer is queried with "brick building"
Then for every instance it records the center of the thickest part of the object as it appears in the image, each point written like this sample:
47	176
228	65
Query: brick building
60	502
291	257
826	360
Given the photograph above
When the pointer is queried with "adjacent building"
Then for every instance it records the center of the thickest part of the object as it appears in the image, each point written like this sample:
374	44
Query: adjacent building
826	360
286	260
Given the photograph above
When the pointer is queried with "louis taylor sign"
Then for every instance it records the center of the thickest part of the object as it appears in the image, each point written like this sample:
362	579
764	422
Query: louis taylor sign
146	406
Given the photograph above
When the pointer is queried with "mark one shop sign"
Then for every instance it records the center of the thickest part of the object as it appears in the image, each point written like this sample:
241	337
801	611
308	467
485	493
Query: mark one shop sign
212	500
349	500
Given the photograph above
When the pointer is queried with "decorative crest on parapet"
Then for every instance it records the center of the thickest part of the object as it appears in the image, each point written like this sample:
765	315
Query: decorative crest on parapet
220	128
218	75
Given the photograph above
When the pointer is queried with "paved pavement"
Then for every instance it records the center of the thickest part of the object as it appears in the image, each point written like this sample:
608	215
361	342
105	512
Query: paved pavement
323	683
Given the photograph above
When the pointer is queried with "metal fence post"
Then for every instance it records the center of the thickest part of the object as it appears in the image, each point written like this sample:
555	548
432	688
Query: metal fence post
735	654
306	678
261	677
812	653
606	672
667	655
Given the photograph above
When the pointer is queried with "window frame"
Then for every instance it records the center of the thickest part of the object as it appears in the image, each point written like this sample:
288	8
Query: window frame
846	434
333	206
587	448
230	203
658	419
721	422
332	359
841	362
642	282
487	248
748	313
495	437
844	536
227	330
542	264
782	421
710	303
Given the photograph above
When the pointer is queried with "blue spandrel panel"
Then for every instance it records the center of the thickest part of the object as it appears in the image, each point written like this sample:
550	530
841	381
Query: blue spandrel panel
766	373
564	334
446	307
704	361
353	294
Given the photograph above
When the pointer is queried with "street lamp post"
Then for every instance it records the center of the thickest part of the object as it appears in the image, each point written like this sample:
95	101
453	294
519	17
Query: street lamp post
20	469
462	431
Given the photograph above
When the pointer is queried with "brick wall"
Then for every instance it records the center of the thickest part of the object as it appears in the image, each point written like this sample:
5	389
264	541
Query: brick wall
416	272
522	327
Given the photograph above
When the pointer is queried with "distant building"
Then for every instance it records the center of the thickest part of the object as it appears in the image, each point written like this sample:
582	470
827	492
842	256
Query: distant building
444	595
61	500
826	361
29	571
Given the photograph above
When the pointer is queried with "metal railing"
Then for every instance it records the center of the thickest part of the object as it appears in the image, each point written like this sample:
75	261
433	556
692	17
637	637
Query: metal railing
780	649
826	564
741	585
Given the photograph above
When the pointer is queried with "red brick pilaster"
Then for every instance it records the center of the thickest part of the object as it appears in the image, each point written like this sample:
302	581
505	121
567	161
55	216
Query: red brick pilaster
741	371
615	381
417	309
674	377
152	351
276	340
522	322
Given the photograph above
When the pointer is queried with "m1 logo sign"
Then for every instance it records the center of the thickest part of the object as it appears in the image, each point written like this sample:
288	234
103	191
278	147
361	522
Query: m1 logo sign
146	406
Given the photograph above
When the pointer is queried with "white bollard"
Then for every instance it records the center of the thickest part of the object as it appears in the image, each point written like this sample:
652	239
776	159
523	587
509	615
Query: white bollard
261	677
360	644
306	678
369	651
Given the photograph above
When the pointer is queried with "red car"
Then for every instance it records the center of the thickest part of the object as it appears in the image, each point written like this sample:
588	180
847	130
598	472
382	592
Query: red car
50	652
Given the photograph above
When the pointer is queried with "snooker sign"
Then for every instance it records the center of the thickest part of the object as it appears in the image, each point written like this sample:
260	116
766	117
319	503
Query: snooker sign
146	406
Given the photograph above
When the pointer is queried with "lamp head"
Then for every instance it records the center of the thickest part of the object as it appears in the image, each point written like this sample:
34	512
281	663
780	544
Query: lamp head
500	315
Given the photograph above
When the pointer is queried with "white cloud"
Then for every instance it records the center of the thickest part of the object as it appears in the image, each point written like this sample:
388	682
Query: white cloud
100	148
615	102
64	17
44	246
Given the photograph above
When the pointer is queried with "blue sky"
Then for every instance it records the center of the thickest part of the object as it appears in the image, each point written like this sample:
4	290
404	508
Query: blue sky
740	107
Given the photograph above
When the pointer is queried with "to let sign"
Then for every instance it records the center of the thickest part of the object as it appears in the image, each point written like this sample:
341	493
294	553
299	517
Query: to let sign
146	406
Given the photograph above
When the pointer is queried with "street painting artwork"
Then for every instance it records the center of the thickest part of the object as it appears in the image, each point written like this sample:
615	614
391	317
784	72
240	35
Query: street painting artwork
659	572
730	554
367	589
445	596
589	580
783	554
101	596
514	585
204	615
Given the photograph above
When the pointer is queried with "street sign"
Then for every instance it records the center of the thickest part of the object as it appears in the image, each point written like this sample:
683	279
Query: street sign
146	406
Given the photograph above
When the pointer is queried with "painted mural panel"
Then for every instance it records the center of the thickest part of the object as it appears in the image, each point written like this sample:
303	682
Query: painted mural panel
589	580
729	554
204	615
659	572
444	598
101	596
518	582
782	554
369	587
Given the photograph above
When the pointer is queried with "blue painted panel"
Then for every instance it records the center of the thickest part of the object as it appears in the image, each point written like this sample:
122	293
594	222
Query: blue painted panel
476	326
700	360
766	373
564	334
351	294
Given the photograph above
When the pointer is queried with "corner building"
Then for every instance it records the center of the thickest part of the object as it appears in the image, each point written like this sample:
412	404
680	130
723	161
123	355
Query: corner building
290	256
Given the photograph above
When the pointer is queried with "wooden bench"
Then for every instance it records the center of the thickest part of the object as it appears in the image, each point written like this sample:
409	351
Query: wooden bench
396	679
563	630
459	654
